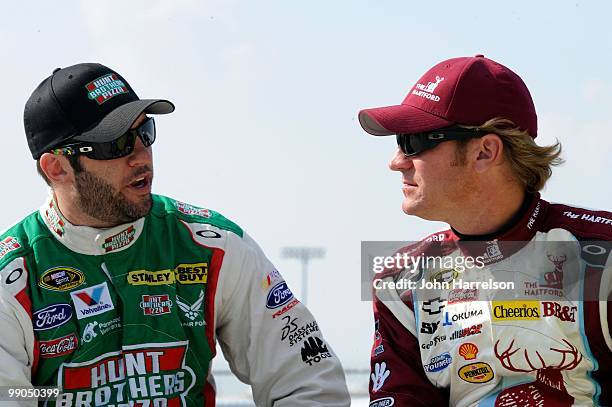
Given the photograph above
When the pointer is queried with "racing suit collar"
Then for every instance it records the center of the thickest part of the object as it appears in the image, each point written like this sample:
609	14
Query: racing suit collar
85	239
510	238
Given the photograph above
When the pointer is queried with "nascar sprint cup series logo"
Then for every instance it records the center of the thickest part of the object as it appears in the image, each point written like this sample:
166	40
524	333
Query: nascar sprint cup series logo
140	375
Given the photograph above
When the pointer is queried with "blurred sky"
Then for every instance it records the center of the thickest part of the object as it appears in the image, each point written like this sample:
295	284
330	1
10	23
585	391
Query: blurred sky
267	92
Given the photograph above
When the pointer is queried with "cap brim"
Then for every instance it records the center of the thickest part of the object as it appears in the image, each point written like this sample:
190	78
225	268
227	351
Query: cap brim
385	121
121	119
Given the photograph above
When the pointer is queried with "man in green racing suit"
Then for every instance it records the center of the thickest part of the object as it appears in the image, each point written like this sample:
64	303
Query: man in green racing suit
118	296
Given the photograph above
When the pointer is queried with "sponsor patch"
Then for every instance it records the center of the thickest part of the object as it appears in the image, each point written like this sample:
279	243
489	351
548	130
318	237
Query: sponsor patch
271	278
314	350
14	276
105	88
8	245
297	335
383	402
58	347
121	239
435	341
565	313
478	372
142	375
146	277
286	308
95	328
378	346
468	350
279	295
444	276
438	363
434	305
462	295
379	376
429	327
192	311
61	279
156	304
196	273
90	301
191	210
51	316
516	310
54	220
469	331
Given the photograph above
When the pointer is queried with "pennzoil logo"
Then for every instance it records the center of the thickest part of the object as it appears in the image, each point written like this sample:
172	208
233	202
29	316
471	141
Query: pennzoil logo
184	273
61	279
516	310
478	372
119	240
141	375
105	88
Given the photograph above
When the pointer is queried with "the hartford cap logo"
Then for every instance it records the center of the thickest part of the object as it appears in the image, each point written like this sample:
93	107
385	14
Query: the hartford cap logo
139	375
92	301
105	88
427	91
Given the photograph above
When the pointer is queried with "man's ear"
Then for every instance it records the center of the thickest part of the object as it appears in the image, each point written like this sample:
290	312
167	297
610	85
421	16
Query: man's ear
56	168
489	152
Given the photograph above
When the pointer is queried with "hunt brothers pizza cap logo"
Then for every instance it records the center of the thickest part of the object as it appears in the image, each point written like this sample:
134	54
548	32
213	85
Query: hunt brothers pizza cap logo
140	375
58	347
119	240
156	304
8	245
105	88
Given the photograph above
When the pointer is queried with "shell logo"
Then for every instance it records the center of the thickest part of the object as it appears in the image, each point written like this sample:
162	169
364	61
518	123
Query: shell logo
469	351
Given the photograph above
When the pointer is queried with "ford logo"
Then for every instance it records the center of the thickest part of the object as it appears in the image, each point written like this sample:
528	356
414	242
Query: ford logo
279	295
51	316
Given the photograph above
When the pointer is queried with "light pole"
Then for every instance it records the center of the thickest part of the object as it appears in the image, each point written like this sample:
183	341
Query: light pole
304	254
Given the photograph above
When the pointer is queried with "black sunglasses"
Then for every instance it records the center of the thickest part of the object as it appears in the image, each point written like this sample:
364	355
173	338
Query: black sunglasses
117	148
415	143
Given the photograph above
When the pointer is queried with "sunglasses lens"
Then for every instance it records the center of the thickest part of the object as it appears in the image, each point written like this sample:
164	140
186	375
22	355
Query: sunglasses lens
146	132
410	144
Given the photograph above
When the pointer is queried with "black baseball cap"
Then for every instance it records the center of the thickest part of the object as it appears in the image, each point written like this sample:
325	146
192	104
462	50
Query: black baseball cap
83	102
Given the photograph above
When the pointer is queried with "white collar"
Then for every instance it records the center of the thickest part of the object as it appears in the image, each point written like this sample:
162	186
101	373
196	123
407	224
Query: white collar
85	239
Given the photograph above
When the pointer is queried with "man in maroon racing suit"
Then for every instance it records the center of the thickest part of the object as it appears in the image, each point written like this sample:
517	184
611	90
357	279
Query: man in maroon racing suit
467	157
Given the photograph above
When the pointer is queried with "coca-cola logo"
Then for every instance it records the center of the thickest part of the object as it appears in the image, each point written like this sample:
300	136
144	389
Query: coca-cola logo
58	347
51	316
279	295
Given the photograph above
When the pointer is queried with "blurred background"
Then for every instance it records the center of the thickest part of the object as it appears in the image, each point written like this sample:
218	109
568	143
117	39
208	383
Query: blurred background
265	128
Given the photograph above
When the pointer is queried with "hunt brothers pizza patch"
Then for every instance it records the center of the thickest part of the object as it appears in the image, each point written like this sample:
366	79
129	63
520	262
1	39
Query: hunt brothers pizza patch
121	239
105	88
140	375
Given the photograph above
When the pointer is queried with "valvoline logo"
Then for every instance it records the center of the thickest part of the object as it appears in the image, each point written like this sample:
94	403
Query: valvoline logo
92	301
279	295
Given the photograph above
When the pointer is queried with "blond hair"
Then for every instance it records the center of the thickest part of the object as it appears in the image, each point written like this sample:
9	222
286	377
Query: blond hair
530	163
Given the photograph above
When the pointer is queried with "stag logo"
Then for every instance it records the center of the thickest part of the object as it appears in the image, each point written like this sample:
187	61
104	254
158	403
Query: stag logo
426	91
554	279
549	381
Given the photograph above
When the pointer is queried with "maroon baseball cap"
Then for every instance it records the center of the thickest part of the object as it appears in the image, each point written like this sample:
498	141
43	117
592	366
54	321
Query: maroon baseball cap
466	90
